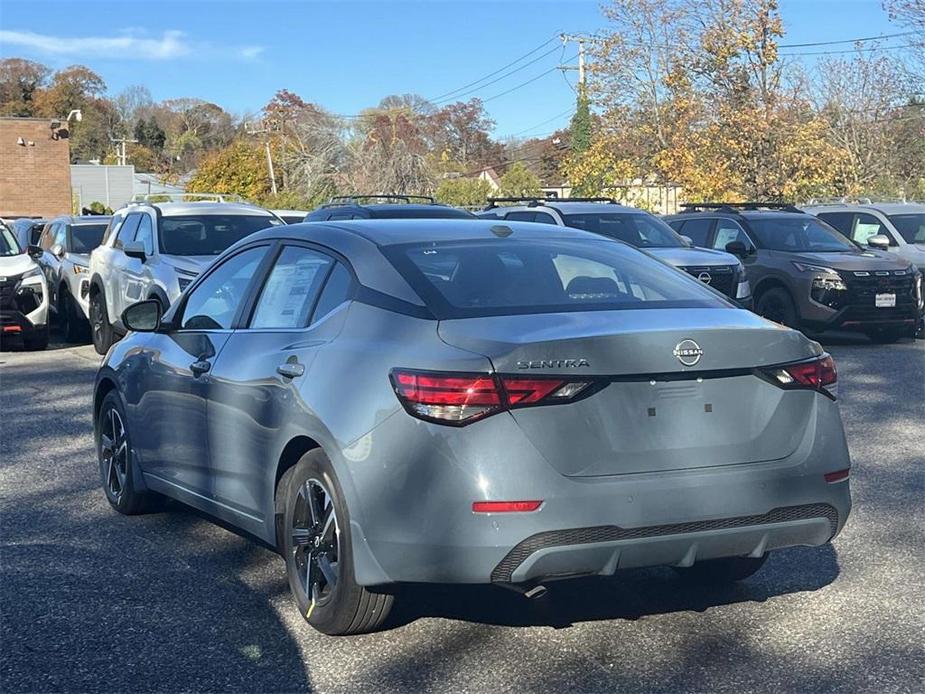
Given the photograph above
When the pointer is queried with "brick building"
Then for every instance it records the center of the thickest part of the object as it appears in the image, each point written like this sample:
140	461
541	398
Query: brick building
35	171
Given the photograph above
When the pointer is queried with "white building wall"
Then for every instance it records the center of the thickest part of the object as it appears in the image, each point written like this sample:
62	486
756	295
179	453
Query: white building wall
111	185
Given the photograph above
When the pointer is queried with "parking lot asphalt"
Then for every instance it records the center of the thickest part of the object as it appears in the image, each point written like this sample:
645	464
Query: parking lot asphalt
94	601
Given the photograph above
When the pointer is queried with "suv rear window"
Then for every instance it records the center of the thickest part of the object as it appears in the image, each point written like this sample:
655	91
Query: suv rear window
640	230
208	234
491	277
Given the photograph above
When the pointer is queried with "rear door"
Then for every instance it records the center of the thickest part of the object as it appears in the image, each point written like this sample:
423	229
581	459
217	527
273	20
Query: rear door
257	378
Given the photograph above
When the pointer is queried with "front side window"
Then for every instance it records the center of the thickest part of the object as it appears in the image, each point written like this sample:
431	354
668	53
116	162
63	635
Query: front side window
636	229
208	234
86	237
496	277
47	240
145	234
910	226
727	231
866	226
799	235
212	304
8	244
60	236
289	293
127	230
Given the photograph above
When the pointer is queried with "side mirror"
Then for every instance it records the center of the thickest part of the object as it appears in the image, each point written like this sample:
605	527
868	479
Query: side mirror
688	240
738	248
143	317
135	249
879	241
58	251
35	252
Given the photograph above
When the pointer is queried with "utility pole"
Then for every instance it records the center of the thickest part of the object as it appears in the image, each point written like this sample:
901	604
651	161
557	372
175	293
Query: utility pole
580	40
119	142
266	144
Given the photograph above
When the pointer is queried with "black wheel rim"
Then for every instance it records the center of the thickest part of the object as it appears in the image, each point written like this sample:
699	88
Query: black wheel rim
114	453
774	309
97	319
316	542
63	316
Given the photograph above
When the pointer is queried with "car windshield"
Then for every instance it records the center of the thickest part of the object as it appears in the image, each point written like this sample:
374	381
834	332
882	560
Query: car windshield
490	277
640	230
8	244
86	237
910	226
802	234
208	234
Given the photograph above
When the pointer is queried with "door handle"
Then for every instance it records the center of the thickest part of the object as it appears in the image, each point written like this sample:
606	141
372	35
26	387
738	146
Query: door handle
199	367
290	369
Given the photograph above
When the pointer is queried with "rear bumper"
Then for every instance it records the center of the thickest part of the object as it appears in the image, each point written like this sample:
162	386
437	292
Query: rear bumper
15	324
414	523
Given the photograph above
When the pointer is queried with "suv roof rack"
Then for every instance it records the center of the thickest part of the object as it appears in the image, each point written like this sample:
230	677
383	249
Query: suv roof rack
734	207
184	197
340	200
533	201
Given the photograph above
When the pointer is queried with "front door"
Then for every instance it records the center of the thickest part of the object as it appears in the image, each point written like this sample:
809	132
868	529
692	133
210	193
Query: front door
170	410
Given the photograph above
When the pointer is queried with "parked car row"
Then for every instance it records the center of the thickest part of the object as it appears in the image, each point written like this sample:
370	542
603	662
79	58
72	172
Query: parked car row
780	261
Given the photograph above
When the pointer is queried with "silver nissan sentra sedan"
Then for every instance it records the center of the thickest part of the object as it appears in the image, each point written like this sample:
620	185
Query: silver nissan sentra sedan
464	401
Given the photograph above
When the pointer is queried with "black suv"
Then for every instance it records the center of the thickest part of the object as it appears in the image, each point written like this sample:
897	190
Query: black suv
805	274
384	207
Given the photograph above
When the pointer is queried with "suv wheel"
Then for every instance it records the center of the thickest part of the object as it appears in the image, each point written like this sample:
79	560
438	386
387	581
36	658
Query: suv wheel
886	336
114	451
726	570
776	305
99	324
71	321
319	561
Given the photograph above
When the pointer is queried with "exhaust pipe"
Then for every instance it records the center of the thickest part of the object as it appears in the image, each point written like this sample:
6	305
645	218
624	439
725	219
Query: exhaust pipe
529	591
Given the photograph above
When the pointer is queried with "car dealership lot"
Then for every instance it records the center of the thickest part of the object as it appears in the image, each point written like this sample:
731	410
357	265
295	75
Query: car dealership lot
94	601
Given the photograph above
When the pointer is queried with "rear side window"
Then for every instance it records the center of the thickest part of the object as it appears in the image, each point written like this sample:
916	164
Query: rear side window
86	237
337	290
842	221
289	293
501	277
520	216
697	230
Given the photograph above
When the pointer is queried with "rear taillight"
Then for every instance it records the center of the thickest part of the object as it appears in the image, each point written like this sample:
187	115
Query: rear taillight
463	398
816	374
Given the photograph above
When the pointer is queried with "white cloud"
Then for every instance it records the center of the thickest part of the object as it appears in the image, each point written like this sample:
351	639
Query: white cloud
133	44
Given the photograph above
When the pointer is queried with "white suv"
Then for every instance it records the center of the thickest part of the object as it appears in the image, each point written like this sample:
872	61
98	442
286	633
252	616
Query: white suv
23	294
897	227
154	250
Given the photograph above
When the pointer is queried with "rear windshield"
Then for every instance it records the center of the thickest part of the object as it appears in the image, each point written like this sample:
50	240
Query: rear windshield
799	234
208	234
86	237
492	277
640	230
910	226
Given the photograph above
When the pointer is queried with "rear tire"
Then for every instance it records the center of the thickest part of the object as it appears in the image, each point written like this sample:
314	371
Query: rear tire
38	340
115	455
726	570
73	325
886	336
319	563
100	328
776	305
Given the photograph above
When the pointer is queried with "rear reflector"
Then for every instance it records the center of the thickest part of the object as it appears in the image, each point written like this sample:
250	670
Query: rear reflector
505	506
837	476
12	329
462	398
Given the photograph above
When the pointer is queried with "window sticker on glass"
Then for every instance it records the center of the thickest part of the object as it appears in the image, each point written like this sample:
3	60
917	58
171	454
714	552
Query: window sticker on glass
290	290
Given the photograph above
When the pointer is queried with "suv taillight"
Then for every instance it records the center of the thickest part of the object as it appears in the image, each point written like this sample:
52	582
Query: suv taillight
815	374
462	398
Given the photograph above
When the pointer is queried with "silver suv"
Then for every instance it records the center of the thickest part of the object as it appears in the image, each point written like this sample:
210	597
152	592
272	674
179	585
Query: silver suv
897	227
154	250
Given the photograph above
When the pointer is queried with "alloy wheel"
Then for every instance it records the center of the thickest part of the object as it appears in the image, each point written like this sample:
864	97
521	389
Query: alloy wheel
113	453
96	317
316	541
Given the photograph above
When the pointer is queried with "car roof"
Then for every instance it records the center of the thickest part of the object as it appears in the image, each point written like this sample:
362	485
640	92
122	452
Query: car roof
79	219
888	208
171	209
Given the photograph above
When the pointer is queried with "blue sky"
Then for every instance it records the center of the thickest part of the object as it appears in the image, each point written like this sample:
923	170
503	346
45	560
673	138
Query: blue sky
348	55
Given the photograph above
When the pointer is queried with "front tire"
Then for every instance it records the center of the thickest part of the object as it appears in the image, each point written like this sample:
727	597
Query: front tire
726	570
101	330
886	336
117	470
776	305
317	548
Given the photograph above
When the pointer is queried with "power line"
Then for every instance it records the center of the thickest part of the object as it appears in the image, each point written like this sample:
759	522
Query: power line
834	43
501	69
524	84
497	79
859	49
567	111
